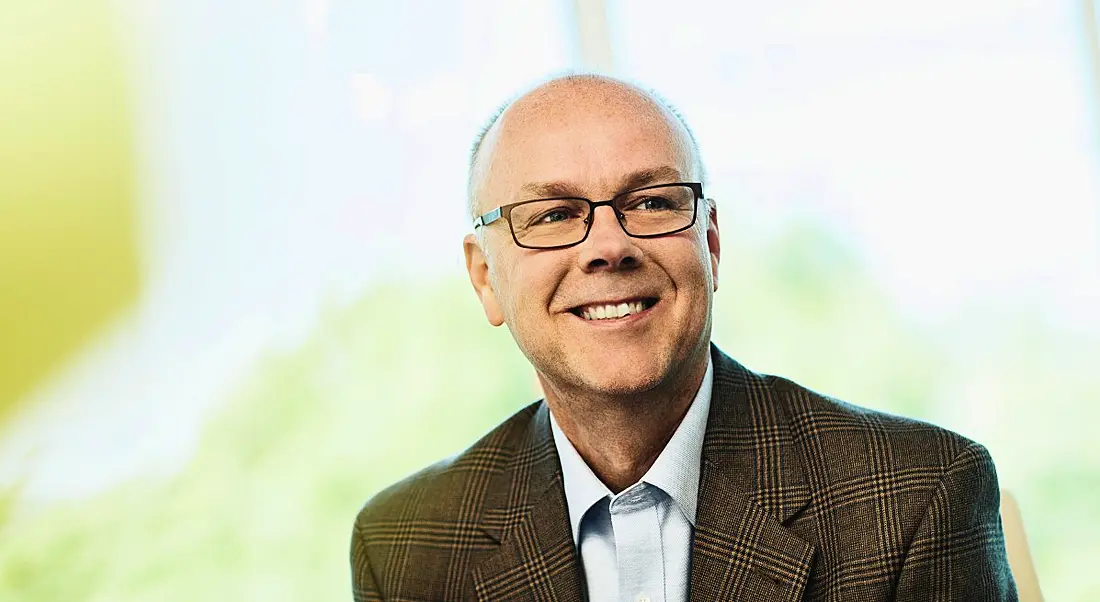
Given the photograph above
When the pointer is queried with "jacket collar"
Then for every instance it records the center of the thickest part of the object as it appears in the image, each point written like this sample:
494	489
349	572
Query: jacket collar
526	513
751	485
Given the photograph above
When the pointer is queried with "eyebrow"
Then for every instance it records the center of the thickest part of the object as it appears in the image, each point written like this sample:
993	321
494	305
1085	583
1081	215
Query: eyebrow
635	179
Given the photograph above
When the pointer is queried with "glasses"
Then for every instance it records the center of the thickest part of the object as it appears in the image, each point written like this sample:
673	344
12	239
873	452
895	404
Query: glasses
566	221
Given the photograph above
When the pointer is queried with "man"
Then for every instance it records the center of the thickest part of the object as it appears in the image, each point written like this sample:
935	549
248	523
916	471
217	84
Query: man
657	468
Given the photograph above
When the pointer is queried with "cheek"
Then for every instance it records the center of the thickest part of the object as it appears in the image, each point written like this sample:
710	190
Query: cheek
704	260
693	279
529	285
690	256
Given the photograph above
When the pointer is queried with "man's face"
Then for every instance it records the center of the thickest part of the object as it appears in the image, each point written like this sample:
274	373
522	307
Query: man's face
595	146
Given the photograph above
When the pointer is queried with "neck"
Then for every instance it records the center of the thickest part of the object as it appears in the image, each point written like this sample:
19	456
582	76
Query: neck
620	437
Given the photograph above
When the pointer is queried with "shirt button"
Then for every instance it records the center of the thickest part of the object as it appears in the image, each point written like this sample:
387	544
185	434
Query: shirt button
642	598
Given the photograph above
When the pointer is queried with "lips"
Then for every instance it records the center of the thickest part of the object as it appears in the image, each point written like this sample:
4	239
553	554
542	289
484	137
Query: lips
611	310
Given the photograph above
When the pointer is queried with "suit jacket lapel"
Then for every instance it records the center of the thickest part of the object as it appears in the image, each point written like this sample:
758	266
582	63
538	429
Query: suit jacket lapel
751	484
527	514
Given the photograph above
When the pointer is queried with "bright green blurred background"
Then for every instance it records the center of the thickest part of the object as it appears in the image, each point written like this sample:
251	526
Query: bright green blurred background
236	308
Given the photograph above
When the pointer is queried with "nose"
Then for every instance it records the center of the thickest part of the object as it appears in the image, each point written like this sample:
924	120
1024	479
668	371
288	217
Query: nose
608	247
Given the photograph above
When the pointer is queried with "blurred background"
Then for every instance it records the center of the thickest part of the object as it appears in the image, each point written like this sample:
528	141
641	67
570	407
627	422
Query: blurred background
232	297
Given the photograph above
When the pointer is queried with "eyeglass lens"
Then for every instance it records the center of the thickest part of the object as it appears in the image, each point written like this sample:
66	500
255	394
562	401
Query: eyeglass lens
557	222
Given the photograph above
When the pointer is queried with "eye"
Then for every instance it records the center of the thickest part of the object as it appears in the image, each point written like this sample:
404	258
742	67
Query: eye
555	215
650	203
552	216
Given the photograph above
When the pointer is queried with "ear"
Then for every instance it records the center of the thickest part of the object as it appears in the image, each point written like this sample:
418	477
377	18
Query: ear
478	269
713	244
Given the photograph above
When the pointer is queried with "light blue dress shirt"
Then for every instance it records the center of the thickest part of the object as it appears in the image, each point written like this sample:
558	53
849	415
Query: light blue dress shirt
636	546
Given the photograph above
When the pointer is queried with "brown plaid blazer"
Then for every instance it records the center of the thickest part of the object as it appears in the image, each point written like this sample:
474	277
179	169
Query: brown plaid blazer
801	497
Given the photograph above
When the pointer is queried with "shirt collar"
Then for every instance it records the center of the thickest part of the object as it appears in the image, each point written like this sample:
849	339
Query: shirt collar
675	471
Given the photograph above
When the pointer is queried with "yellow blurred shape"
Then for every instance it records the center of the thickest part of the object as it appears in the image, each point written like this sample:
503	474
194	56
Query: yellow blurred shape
68	259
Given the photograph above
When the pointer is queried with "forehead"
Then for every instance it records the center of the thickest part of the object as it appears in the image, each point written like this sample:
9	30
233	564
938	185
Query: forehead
591	138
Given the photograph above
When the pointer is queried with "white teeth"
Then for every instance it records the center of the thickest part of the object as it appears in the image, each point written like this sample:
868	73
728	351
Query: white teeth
609	312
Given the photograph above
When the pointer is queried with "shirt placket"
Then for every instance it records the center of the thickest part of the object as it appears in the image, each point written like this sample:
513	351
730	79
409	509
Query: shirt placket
637	529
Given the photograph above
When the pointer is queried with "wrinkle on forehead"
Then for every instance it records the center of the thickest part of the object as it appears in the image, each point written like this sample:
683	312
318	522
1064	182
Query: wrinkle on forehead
563	99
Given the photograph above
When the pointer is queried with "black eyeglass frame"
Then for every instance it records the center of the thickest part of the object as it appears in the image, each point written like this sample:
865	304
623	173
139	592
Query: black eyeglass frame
505	211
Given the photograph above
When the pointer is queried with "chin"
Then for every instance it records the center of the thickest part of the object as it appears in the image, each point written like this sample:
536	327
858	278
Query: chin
610	370
624	377
622	387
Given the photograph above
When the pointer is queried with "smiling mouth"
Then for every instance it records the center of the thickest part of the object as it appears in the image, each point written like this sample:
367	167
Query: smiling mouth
613	311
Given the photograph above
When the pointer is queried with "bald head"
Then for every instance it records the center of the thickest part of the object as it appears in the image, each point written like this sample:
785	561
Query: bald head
563	100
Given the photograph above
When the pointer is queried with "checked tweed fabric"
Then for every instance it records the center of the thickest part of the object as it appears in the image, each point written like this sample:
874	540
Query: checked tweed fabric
801	497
